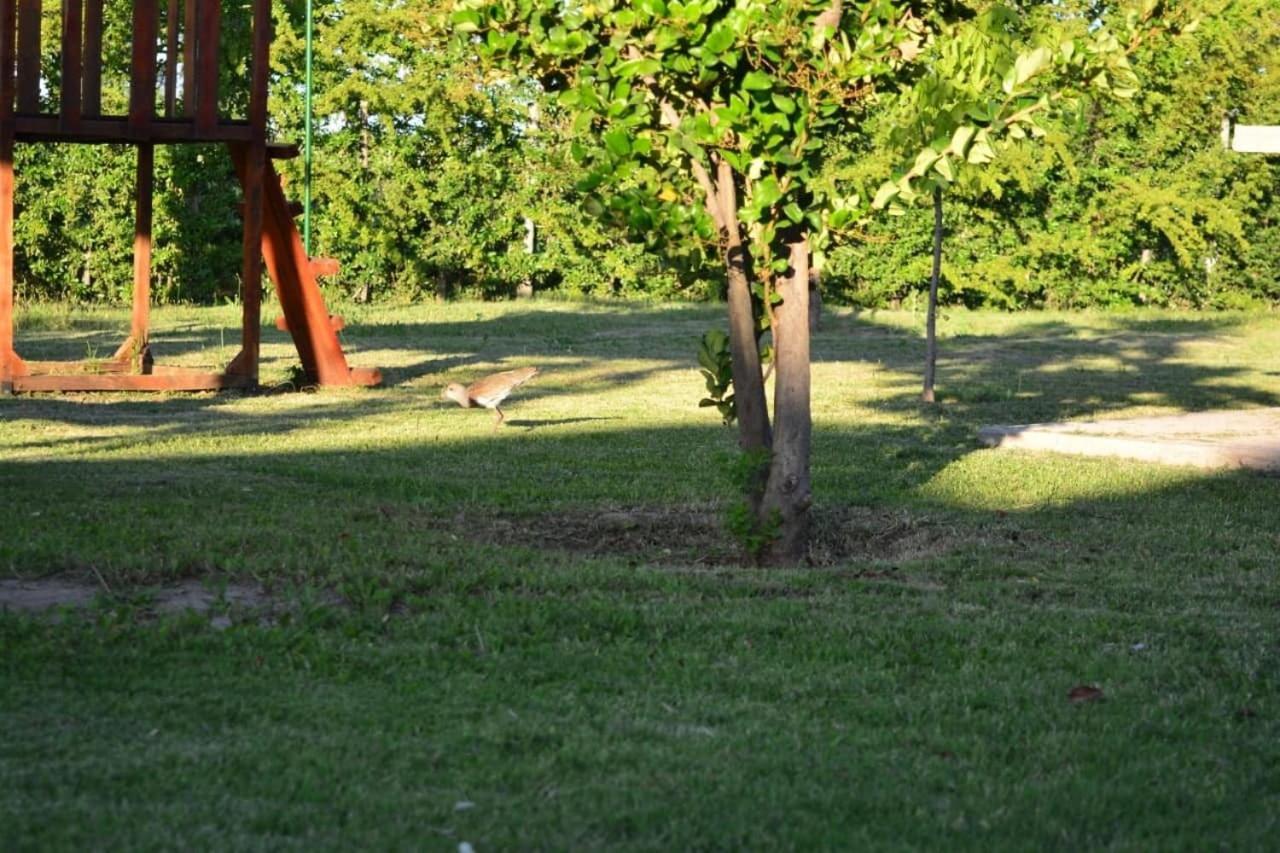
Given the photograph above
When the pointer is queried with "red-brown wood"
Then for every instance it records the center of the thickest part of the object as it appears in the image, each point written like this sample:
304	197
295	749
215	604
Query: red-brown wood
72	67
29	56
142	247
171	59
209	16
190	26
306	316
10	364
35	128
91	99
270	240
142	72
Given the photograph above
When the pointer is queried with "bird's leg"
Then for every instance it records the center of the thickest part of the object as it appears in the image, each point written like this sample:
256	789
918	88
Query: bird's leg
501	417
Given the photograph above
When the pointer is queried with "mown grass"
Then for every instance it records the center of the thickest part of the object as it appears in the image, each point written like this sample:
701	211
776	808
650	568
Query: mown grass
432	674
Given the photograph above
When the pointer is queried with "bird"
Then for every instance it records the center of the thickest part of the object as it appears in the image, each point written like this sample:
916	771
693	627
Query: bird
489	391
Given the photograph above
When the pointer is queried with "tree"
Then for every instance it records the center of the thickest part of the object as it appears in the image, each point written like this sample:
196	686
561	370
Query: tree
711	121
978	81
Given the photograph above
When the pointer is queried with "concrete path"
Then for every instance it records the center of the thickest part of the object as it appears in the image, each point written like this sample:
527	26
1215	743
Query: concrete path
1235	439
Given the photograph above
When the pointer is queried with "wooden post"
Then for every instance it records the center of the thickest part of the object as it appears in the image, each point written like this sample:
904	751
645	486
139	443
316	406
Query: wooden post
142	73
254	173
29	56
72	68
210	23
138	330
171	60
9	363
189	28
91	99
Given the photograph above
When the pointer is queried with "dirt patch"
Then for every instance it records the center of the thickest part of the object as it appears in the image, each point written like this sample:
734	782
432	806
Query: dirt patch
696	534
42	594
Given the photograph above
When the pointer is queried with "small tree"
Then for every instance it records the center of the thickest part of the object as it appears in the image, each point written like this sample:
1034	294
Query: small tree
994	82
713	119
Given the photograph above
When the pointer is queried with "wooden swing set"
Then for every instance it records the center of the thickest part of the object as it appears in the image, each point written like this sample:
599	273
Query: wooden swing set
191	47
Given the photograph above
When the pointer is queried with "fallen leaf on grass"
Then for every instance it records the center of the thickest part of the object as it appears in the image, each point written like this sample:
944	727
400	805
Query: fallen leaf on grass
1084	693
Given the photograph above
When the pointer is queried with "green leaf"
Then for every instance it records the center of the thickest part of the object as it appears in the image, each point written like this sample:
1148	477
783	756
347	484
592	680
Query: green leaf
720	40
766	192
618	142
784	103
960	139
888	190
465	20
1030	64
943	167
793	212
980	152
757	81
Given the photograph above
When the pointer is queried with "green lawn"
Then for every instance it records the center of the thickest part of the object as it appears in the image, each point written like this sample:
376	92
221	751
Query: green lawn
536	638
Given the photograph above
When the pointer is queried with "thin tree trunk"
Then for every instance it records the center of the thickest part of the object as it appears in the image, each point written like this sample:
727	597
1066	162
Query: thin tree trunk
788	494
748	381
364	135
931	319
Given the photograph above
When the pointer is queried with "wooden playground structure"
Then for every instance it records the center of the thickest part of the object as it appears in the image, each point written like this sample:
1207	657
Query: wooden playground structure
185	109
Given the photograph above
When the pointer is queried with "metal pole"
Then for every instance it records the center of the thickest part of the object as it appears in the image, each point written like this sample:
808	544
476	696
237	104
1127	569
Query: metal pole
306	147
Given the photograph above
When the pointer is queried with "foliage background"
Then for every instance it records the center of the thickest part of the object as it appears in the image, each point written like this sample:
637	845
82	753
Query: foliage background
425	172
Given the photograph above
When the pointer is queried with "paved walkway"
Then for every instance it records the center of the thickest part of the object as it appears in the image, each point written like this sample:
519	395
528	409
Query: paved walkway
1236	439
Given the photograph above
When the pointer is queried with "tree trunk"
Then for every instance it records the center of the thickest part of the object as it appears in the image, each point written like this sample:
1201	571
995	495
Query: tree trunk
931	318
364	135
748	381
788	494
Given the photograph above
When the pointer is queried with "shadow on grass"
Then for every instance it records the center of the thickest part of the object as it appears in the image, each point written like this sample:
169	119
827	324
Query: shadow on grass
1048	370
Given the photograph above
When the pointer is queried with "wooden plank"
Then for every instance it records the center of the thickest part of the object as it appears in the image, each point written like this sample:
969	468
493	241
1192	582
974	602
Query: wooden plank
208	26
171	59
1256	138
29	56
251	178
260	68
142	246
7	355
9	362
91	97
189	58
8	18
142	70
72	68
117	129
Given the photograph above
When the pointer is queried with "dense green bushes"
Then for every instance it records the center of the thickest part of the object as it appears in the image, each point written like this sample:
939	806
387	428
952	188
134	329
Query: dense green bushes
425	174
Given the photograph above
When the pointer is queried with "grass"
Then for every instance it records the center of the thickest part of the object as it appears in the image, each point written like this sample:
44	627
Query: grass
485	637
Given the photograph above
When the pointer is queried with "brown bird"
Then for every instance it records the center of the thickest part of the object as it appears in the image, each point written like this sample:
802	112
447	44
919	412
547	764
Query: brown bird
490	391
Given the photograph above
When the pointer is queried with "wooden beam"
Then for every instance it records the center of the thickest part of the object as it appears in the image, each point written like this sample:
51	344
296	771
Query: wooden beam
9	363
72	66
8	18
171	59
142	71
246	363
29	56
189	27
260	68
209	26
142	247
118	129
91	97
